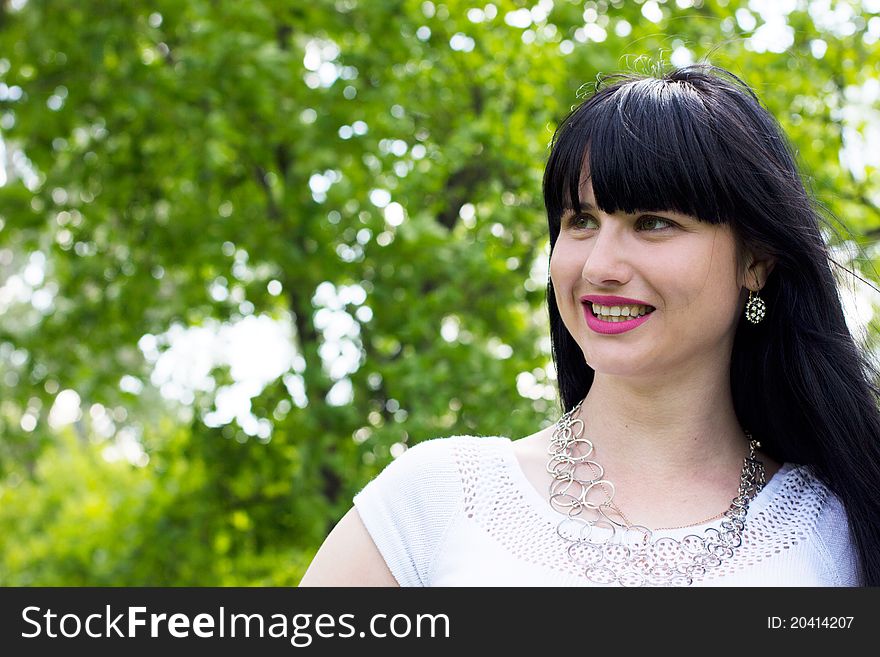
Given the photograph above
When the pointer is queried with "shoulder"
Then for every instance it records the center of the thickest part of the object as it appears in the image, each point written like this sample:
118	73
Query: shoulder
831	527
409	506
348	557
443	458
432	470
389	536
432	453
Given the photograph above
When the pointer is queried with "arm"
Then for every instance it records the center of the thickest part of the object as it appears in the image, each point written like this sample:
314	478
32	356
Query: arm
348	557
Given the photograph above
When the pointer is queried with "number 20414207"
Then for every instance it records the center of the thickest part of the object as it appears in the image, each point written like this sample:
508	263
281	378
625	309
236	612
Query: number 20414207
809	622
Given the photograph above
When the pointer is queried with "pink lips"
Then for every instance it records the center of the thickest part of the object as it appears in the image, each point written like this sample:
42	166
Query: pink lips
611	328
611	300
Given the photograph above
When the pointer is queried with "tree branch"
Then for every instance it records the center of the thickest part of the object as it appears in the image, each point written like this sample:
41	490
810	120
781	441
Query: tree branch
271	205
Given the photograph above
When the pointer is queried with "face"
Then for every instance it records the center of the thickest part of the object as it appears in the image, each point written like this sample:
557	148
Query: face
686	269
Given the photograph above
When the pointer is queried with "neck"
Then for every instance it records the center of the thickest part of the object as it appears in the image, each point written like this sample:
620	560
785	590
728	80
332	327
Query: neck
665	431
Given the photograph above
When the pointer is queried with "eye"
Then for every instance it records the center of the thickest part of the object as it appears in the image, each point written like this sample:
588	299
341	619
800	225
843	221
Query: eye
580	220
661	220
577	220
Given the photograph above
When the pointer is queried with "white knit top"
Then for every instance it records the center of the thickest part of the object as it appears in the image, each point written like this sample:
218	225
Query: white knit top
459	511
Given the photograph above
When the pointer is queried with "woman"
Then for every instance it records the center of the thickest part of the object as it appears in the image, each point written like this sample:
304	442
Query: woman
721	425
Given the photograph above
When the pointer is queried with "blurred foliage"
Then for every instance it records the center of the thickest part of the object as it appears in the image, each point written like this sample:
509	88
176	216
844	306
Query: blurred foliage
175	146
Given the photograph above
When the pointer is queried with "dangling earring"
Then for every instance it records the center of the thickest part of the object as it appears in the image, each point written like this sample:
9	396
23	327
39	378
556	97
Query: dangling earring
755	308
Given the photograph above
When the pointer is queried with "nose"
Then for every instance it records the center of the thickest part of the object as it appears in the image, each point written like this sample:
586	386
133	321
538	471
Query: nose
607	262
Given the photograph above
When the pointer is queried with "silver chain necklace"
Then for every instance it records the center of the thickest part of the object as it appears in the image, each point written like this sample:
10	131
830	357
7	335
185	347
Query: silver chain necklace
609	548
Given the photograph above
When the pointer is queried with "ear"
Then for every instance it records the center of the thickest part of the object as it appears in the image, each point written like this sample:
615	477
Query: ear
757	271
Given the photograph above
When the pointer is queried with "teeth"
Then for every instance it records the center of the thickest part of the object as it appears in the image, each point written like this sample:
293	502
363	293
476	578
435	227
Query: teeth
618	313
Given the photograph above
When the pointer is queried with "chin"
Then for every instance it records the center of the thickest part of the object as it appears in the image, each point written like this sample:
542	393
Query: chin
628	364
620	371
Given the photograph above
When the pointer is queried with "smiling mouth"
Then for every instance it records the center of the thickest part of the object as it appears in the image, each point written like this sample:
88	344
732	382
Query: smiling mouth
616	314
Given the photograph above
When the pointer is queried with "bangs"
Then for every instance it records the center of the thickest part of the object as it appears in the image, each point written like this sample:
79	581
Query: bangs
646	145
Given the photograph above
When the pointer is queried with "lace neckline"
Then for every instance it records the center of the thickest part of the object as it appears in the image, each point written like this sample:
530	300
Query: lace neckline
539	504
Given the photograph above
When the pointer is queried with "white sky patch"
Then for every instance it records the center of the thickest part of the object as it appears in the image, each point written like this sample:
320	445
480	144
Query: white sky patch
319	61
14	291
745	19
861	131
858	309
21	167
102	421
468	214
591	32
65	410
29	285
341	393
126	445
528	386
449	328
651	10
461	42
28	422
622	28
131	384
320	183
185	367
8	93
295	385
836	19
35	270
681	56
394	214
774	34
341	350
476	15
380	197
257	350
858	299
521	18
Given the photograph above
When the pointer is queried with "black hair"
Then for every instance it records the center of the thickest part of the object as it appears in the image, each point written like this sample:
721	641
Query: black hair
697	140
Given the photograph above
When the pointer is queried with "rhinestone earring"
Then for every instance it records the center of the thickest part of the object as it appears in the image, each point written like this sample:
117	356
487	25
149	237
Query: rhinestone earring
755	308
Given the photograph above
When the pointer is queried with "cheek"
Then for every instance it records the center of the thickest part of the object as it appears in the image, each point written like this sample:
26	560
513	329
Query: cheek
713	292
565	262
701	268
564	274
555	271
